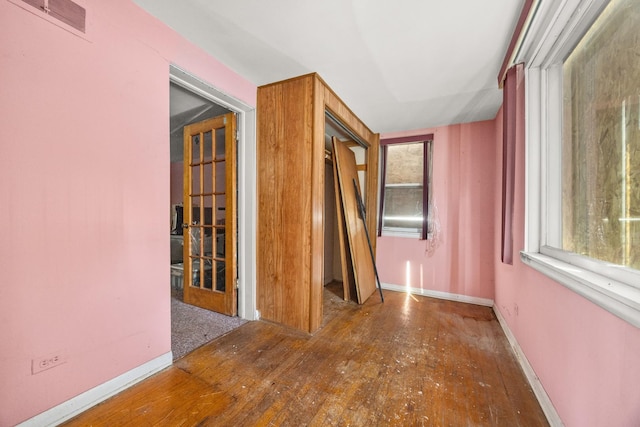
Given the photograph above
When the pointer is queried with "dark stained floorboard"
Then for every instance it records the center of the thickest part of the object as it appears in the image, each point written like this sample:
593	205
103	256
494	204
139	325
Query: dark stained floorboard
409	361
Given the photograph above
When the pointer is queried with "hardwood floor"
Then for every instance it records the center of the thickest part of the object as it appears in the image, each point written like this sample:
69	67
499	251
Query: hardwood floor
411	361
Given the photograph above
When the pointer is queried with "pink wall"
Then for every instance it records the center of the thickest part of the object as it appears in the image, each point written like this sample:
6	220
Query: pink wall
464	174
586	358
84	182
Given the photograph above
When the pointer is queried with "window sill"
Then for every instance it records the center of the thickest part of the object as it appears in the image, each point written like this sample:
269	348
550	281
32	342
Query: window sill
616	297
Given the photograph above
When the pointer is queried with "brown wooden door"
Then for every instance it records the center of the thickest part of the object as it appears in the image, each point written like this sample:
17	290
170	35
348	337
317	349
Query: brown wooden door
210	234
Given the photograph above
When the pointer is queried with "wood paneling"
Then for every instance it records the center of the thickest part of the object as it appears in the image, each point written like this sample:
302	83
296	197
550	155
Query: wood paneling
284	158
411	361
317	210
290	140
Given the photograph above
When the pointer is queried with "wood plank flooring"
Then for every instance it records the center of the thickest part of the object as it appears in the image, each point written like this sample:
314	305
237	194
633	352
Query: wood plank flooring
410	361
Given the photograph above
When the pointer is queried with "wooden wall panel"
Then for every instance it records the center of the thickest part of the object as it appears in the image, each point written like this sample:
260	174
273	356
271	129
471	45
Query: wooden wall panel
317	209
284	202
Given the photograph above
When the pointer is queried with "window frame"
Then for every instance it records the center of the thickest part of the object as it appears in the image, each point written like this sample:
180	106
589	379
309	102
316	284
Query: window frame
555	29
408	232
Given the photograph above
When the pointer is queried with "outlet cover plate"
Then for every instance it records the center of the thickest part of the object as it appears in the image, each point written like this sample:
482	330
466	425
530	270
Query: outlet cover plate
47	362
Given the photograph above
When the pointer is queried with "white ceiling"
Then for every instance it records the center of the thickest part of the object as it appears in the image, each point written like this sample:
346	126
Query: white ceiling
399	65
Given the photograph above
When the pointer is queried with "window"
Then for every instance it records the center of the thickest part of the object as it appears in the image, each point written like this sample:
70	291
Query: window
601	140
583	150
405	192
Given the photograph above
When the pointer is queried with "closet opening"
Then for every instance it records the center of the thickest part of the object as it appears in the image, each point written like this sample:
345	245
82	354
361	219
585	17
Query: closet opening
338	278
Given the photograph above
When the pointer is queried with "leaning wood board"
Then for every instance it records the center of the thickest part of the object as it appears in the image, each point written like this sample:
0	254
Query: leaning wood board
348	281
363	269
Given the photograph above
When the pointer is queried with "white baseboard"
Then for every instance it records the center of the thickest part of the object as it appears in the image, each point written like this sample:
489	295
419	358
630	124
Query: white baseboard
440	295
542	396
69	409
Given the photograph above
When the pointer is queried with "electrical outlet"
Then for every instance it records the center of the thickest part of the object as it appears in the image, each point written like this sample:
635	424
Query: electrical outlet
47	362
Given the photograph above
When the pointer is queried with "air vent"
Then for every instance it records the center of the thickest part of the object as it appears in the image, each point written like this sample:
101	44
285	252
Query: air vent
66	11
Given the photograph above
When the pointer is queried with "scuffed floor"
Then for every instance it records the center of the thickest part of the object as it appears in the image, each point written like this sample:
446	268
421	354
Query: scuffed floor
192	327
410	361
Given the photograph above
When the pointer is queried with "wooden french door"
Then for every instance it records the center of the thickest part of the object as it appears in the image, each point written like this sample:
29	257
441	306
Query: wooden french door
209	229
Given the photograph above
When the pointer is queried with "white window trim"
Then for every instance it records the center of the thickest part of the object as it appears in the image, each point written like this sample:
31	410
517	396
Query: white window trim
555	29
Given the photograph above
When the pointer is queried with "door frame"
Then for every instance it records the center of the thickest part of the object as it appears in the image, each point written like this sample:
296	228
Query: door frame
246	176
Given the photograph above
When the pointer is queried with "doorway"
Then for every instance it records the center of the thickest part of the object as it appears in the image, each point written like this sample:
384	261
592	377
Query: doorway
203	212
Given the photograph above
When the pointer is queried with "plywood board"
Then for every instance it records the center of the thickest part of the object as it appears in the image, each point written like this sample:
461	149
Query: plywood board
363	268
348	280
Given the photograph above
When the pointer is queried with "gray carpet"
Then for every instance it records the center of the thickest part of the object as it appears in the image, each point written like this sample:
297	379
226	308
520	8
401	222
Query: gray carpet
192	326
